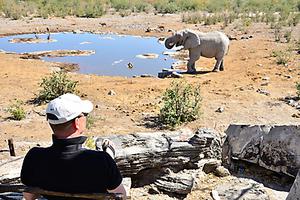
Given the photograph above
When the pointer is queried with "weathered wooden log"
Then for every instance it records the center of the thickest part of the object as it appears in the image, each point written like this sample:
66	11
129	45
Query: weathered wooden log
176	150
175	183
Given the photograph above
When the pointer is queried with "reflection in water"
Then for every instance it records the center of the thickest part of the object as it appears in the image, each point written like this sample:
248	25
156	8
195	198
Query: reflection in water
114	53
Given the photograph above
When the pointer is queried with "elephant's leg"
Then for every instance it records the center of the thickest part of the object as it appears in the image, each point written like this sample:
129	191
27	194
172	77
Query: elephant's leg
191	67
217	65
194	56
222	66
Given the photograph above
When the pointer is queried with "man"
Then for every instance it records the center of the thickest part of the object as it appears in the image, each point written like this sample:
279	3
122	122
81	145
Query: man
66	166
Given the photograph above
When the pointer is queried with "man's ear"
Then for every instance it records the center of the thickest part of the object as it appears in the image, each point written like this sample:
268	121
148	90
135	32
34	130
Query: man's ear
76	123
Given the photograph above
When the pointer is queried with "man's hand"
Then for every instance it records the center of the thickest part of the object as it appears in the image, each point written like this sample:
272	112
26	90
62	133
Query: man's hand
30	196
109	147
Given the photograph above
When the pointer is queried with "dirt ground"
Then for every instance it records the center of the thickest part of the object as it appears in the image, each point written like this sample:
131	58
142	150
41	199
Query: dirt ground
248	68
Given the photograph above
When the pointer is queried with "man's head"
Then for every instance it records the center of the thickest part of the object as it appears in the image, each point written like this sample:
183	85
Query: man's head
67	115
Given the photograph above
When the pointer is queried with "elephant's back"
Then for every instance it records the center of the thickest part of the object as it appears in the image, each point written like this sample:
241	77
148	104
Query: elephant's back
213	43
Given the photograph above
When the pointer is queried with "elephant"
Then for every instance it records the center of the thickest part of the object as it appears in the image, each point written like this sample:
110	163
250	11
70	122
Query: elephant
211	44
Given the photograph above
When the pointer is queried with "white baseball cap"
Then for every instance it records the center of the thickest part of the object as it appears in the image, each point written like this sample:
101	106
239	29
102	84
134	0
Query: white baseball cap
67	107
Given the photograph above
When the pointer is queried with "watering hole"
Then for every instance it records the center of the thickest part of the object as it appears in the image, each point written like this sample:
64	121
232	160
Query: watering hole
114	55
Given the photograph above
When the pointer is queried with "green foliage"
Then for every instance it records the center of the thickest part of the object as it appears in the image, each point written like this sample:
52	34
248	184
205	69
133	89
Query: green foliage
247	22
94	8
282	57
191	5
90	121
121	4
181	103
277	31
165	6
90	143
298	89
55	85
17	111
288	35
297	45
192	17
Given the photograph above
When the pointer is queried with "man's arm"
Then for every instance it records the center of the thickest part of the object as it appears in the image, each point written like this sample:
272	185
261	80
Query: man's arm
30	196
119	189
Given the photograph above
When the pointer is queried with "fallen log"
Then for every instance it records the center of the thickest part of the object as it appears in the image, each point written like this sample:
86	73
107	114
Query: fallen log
176	150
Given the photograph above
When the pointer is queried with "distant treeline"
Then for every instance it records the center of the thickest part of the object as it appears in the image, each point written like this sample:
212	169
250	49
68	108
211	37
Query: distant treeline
95	8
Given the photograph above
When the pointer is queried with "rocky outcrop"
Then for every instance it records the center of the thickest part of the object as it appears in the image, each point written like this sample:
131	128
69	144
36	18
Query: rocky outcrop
294	193
273	147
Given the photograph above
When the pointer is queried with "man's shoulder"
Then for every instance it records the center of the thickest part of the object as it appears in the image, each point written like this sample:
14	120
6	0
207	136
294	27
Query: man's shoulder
96	155
35	151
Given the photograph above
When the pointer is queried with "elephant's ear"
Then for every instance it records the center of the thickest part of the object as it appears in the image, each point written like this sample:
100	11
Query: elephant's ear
191	39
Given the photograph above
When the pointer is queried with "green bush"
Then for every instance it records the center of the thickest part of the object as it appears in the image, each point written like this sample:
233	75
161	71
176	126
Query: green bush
17	111
298	89
90	121
165	6
288	35
181	103
94	8
55	85
282	57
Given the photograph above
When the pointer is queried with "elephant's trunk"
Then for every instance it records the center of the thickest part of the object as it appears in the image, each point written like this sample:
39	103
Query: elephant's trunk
169	43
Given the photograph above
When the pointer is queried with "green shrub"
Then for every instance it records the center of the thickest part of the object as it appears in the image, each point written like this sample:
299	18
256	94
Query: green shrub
55	85
181	103
298	89
247	22
288	35
90	121
165	6
17	111
192	17
282	58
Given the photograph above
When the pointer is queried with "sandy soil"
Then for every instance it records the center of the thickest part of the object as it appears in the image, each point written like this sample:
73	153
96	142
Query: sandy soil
248	67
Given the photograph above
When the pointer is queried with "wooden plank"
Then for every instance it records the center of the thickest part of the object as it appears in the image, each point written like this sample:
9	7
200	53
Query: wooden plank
22	188
11	147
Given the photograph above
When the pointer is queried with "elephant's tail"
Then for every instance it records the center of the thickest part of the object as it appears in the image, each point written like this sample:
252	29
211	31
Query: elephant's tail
227	50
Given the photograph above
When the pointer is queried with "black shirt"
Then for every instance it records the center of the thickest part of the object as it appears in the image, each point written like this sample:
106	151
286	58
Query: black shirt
67	167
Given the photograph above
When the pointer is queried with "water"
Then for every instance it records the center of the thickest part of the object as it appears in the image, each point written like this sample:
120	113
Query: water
113	52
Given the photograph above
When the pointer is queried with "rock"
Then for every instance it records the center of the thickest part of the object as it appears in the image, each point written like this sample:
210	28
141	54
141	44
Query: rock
175	183
266	78
147	56
272	147
77	31
146	75
294	193
215	195
265	92
176	75
10	170
221	171
220	110
243	189
232	37
211	166
111	93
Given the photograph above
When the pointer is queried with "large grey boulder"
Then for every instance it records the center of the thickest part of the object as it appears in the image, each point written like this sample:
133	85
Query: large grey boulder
273	147
294	193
